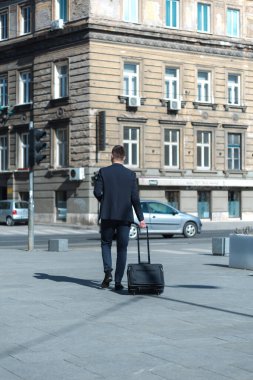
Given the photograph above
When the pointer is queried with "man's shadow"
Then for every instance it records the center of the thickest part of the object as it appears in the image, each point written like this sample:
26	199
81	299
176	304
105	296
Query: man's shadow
74	280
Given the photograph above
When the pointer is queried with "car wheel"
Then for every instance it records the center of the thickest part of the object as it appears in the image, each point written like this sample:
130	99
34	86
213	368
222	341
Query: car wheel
190	229
133	232
9	221
167	236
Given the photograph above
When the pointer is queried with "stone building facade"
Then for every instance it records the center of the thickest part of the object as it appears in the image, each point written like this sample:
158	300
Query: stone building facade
172	80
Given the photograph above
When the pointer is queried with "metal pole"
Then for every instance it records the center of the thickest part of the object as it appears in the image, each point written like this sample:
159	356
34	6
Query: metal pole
31	207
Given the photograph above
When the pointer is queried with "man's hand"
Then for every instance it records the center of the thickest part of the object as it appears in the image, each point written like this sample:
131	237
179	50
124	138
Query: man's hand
142	224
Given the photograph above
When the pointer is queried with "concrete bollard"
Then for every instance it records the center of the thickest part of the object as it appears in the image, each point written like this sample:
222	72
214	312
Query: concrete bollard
220	246
58	245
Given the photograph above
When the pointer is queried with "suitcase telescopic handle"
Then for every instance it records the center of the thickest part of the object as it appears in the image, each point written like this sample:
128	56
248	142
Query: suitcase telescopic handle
138	244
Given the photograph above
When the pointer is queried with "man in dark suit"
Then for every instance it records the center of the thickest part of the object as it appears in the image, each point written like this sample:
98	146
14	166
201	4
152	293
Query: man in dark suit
116	190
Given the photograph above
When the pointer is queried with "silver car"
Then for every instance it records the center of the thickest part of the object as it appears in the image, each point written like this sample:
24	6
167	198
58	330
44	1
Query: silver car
164	219
13	211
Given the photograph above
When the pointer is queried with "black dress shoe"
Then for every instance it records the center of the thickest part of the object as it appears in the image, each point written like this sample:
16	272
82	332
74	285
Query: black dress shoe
118	286
107	280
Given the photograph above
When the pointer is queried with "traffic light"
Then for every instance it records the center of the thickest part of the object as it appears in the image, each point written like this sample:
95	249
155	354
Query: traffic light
36	146
3	115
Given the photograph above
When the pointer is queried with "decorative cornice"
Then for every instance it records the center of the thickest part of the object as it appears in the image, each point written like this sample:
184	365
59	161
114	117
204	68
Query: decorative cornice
237	126
172	122
196	105
227	107
204	124
170	41
132	119
84	30
56	122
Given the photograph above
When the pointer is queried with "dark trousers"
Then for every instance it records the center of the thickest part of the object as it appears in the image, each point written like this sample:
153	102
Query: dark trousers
108	230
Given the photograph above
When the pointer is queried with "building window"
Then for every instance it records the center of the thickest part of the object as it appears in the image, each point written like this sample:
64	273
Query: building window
204	86
25	87
130	10
25	20
204	18
171	83
24	150
61	147
203	150
204	205
171	148
61	10
173	198
3	91
61	205
131	79
3	153
234	204
131	145
233	89
61	80
234	151
172	13
233	22
3	26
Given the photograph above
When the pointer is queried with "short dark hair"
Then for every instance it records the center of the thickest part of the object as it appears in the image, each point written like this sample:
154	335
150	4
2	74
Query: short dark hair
118	152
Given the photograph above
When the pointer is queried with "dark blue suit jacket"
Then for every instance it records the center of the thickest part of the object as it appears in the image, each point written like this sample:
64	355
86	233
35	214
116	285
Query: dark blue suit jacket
116	189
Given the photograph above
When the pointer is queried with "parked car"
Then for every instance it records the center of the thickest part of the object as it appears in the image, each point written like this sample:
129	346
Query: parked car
13	211
166	220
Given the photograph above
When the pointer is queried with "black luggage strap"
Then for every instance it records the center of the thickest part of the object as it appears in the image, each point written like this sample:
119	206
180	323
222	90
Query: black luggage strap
138	244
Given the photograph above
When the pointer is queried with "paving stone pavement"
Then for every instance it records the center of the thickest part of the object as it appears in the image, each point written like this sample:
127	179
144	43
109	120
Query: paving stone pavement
56	323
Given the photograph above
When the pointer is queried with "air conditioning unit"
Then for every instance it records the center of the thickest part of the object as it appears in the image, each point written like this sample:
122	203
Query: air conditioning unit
57	24
76	174
134	101
174	105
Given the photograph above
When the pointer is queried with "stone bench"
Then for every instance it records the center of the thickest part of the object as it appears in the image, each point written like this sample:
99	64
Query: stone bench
58	245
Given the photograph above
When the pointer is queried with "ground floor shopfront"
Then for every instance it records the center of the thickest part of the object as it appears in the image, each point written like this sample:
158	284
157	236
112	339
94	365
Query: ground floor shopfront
214	200
57	199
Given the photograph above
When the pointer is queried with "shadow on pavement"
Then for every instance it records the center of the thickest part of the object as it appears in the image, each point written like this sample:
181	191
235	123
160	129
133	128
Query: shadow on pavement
219	265
74	280
194	286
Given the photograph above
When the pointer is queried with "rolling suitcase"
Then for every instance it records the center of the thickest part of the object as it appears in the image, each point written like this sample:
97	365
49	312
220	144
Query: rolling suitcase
144	277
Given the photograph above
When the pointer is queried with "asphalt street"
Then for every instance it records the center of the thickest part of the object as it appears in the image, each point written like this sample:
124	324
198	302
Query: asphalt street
56	323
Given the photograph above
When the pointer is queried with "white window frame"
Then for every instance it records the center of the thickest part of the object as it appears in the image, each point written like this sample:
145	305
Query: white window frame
3	91
61	10
233	22
204	87
171	84
172	14
25	19
24	150
234	151
203	147
131	10
131	80
130	144
171	146
234	89
3	152
61	85
61	138
25	93
4	27
203	10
